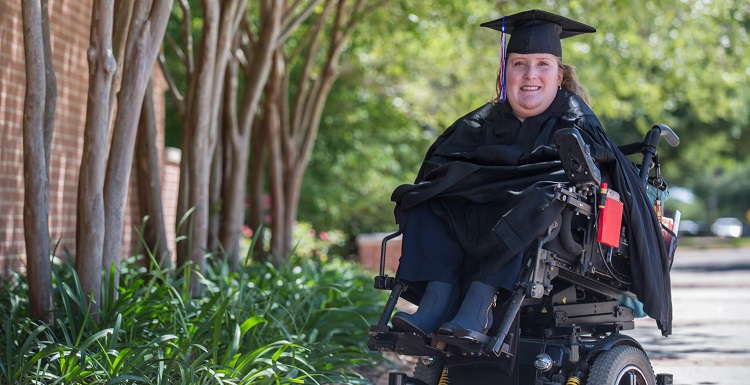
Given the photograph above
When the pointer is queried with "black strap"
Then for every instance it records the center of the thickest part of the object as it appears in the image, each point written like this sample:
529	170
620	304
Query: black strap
632	148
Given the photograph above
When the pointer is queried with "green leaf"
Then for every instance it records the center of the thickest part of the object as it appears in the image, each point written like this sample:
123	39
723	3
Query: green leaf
250	323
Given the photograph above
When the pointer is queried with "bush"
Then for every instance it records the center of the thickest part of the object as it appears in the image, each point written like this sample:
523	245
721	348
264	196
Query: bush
305	322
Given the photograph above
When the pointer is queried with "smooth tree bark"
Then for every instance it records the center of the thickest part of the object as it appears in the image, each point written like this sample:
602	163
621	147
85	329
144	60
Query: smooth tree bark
154	236
122	16
298	92
215	184
200	111
272	124
243	57
199	158
90	224
148	24
293	16
255	186
38	121
257	51
183	103
286	141
50	86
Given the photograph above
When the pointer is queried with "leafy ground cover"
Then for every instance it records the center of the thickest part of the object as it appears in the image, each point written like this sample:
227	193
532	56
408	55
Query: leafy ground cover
305	322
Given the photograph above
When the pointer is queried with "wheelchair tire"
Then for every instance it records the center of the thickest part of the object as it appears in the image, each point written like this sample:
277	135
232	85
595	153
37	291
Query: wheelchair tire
429	373
622	365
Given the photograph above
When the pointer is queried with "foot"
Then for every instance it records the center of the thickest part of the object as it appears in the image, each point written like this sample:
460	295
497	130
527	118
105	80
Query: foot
438	304
475	313
405	322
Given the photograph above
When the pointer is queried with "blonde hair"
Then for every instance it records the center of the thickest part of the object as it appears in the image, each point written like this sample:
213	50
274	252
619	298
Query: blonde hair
569	82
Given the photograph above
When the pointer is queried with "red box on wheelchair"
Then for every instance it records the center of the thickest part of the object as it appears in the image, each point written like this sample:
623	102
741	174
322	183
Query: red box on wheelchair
610	221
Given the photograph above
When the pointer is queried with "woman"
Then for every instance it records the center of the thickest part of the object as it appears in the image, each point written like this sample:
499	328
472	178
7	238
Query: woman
485	190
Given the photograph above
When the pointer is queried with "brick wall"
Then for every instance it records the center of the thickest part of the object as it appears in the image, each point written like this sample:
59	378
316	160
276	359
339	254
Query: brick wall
369	247
69	21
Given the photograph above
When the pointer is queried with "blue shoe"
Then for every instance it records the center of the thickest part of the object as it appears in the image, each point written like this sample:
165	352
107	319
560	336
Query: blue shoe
475	313
438	304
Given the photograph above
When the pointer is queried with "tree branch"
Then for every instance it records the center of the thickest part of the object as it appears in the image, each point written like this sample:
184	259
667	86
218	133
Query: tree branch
288	12
247	46
290	24
158	17
230	98
372	7
177	50
179	99
124	11
187	34
298	113
50	99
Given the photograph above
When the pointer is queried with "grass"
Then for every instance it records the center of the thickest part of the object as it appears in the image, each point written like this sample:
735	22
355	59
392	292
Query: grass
711	242
302	323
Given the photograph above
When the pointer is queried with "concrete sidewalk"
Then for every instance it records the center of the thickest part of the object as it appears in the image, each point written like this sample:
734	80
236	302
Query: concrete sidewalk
710	343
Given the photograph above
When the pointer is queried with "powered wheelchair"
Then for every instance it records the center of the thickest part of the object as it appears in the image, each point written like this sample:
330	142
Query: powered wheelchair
561	325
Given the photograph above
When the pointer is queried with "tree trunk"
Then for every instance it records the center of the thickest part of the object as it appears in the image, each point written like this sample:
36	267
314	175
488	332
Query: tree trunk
184	104
299	123
184	216
288	151
204	97
38	117
231	14
147	28
230	171
199	160
215	204
273	126
123	14
149	184
237	135
287	133
89	232
50	79
256	184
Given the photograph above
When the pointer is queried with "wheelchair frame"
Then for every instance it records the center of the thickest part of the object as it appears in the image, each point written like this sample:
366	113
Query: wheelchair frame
562	320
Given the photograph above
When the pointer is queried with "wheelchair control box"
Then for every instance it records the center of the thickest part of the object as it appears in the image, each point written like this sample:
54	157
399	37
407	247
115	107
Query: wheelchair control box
610	218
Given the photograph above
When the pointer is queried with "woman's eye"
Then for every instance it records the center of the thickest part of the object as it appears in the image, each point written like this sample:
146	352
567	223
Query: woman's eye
519	64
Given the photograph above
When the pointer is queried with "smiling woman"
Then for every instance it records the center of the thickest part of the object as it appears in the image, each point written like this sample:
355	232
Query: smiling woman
465	221
532	82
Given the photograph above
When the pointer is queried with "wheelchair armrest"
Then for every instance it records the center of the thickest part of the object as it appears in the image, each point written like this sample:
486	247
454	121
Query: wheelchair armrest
576	158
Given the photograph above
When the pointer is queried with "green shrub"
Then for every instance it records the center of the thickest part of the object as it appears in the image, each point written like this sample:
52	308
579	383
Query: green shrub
305	322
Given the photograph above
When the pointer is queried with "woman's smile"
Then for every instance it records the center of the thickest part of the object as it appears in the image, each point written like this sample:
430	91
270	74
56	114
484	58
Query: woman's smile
532	83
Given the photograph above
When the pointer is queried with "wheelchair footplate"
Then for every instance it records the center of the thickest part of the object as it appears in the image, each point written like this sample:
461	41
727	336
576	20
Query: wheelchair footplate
382	338
470	343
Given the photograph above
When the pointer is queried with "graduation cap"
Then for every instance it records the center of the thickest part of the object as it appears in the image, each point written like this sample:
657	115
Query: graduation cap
537	31
534	31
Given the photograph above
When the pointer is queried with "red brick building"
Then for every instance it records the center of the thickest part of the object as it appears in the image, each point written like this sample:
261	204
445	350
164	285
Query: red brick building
69	30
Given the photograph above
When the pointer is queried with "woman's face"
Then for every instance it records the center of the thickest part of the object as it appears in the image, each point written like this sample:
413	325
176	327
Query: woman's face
531	82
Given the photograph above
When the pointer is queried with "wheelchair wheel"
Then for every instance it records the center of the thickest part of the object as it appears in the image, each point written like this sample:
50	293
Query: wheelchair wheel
429	370
622	365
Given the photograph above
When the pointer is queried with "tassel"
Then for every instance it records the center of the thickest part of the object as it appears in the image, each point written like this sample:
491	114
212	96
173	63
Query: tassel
502	62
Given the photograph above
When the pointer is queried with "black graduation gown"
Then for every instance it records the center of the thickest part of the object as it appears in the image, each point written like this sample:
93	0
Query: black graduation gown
492	178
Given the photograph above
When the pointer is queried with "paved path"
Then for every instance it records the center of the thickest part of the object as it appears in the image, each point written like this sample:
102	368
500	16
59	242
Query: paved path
710	343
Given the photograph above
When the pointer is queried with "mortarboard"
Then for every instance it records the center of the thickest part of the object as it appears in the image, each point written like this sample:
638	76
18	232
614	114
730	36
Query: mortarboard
534	31
537	31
